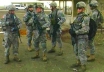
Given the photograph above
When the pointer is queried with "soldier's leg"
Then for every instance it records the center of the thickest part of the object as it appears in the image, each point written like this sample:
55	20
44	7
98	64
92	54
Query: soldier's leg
7	45
59	43
92	50
36	45
78	63
29	37
53	41
82	53
15	43
43	44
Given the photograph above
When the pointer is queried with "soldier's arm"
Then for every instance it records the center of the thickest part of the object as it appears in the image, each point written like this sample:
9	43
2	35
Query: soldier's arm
85	26
61	17
94	16
4	22
47	21
26	17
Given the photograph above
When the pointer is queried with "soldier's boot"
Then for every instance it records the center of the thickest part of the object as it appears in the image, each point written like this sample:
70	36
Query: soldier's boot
88	55
30	49
44	57
16	59
77	64
36	56
83	68
91	58
52	50
60	52
6	60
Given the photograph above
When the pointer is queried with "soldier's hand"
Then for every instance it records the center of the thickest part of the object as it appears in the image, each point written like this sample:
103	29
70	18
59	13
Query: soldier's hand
47	29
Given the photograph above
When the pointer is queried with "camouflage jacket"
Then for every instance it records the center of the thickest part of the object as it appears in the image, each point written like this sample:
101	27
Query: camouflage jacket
60	17
28	18
43	19
94	15
9	23
81	24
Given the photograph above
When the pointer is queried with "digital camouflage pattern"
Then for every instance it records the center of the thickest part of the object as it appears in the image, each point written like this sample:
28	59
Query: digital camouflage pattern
10	24
40	37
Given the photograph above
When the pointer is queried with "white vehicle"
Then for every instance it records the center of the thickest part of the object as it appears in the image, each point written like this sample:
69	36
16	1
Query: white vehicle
19	7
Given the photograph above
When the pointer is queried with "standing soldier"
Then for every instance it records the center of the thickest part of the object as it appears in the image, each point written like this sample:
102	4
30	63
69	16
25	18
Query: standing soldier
28	21
95	15
10	26
57	18
41	22
80	28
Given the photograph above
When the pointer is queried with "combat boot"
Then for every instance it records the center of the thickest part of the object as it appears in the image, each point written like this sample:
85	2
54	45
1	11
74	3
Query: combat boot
52	50
83	68
36	56
60	52
77	64
16	59
44	57
88	55
6	60
30	49
91	58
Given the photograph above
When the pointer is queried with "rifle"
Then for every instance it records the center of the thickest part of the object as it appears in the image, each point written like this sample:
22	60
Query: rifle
37	24
16	29
73	36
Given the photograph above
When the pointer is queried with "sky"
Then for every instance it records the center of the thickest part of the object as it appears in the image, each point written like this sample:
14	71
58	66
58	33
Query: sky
8	2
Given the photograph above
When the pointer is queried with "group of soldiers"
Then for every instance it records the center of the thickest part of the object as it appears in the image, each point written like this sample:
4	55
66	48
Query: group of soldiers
38	24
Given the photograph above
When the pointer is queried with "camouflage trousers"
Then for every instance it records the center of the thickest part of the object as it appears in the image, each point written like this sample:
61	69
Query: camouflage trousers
11	39
56	39
91	46
40	39
29	34
80	48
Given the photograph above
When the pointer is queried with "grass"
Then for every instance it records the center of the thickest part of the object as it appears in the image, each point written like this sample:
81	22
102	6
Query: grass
55	63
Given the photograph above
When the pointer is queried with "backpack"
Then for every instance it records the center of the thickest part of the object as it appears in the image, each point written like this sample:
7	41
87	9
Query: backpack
93	29
93	25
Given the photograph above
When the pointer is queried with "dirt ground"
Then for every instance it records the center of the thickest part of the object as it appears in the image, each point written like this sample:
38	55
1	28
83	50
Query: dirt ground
54	63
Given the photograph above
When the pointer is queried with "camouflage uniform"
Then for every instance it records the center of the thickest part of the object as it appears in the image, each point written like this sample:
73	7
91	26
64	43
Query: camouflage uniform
94	16
40	32
28	21
10	24
80	29
57	18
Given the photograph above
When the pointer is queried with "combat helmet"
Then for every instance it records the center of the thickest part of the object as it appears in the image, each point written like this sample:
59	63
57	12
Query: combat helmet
11	7
39	5
30	6
53	4
81	4
93	3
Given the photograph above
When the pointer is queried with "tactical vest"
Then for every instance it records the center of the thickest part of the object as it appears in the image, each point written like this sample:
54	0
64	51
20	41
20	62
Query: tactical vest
53	17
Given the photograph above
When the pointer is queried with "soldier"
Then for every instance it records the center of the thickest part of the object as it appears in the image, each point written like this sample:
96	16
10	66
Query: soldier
10	26
80	28
28	21
41	22
57	18
95	16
